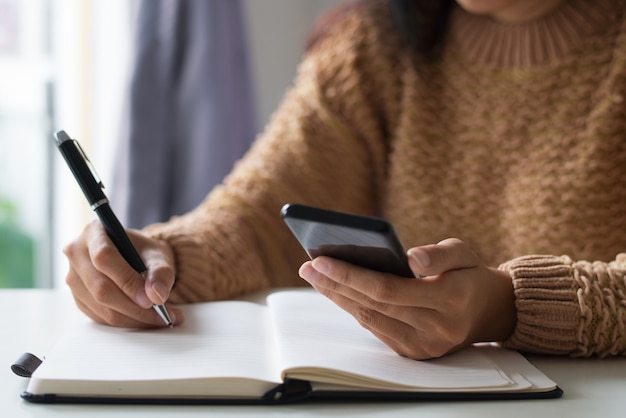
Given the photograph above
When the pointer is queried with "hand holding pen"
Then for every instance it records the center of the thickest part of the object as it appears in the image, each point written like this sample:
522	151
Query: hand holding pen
92	188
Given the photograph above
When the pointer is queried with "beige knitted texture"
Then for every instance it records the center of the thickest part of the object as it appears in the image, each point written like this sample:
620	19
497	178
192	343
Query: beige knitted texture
515	161
515	151
547	309
602	297
566	307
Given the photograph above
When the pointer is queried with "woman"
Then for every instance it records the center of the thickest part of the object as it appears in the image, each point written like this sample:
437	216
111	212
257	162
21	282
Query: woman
499	123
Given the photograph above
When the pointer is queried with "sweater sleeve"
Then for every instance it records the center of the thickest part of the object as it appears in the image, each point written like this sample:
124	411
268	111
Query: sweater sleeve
569	307
312	152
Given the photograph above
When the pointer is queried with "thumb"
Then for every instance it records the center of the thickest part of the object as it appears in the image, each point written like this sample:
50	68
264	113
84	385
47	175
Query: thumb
434	259
158	257
159	283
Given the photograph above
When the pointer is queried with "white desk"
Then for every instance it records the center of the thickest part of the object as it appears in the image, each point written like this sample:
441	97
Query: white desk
32	320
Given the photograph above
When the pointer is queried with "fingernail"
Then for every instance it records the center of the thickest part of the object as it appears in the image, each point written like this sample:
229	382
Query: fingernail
161	291
420	256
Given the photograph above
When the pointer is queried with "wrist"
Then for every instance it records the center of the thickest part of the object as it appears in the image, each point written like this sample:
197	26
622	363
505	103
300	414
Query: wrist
501	314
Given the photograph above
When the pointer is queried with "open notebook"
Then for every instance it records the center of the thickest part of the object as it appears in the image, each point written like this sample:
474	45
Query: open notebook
297	345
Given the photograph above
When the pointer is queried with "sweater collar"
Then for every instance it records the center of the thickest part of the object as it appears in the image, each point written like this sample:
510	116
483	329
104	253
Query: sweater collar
484	40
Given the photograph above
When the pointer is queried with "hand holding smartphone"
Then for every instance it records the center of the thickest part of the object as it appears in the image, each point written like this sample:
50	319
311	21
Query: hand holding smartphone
364	241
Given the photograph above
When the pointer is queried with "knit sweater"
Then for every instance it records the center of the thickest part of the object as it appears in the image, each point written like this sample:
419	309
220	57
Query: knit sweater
514	141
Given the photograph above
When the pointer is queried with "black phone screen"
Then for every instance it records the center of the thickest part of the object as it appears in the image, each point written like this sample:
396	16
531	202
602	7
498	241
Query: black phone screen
364	241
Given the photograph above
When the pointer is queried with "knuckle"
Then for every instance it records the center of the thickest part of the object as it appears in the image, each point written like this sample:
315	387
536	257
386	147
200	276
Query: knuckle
70	249
71	279
329	286
128	279
366	317
382	290
342	275
101	290
376	305
102	255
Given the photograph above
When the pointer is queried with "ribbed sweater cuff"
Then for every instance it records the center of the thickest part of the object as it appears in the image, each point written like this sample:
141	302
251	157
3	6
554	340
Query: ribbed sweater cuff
546	302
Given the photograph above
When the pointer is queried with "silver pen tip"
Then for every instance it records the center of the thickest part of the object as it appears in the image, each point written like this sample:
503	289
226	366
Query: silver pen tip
165	316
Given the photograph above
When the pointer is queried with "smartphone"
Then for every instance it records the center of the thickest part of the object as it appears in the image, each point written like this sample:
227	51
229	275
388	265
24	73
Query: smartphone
364	241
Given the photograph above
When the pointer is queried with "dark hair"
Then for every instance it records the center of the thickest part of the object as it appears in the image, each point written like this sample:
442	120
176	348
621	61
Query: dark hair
422	25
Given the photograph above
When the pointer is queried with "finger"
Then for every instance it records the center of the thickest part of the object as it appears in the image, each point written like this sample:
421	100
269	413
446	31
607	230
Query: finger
89	274
412	332
123	313
98	296
414	344
449	254
418	333
160	276
317	274
80	295
390	331
377	290
109	262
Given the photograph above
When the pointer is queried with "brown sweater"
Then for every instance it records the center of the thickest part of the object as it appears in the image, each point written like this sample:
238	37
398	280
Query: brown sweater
515	141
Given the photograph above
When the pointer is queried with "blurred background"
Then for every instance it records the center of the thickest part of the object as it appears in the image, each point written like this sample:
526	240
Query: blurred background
132	80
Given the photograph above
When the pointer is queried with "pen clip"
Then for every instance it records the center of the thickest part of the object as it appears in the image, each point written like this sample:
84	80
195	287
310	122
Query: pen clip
90	166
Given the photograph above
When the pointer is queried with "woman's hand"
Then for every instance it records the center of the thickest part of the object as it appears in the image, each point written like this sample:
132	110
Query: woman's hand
108	290
457	301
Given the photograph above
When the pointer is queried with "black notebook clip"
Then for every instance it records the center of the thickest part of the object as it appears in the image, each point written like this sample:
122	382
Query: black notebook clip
26	365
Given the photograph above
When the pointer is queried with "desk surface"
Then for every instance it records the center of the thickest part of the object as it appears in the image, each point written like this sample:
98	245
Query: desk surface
33	319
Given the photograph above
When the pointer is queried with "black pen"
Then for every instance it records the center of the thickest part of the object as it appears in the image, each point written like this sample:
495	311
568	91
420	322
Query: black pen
92	186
